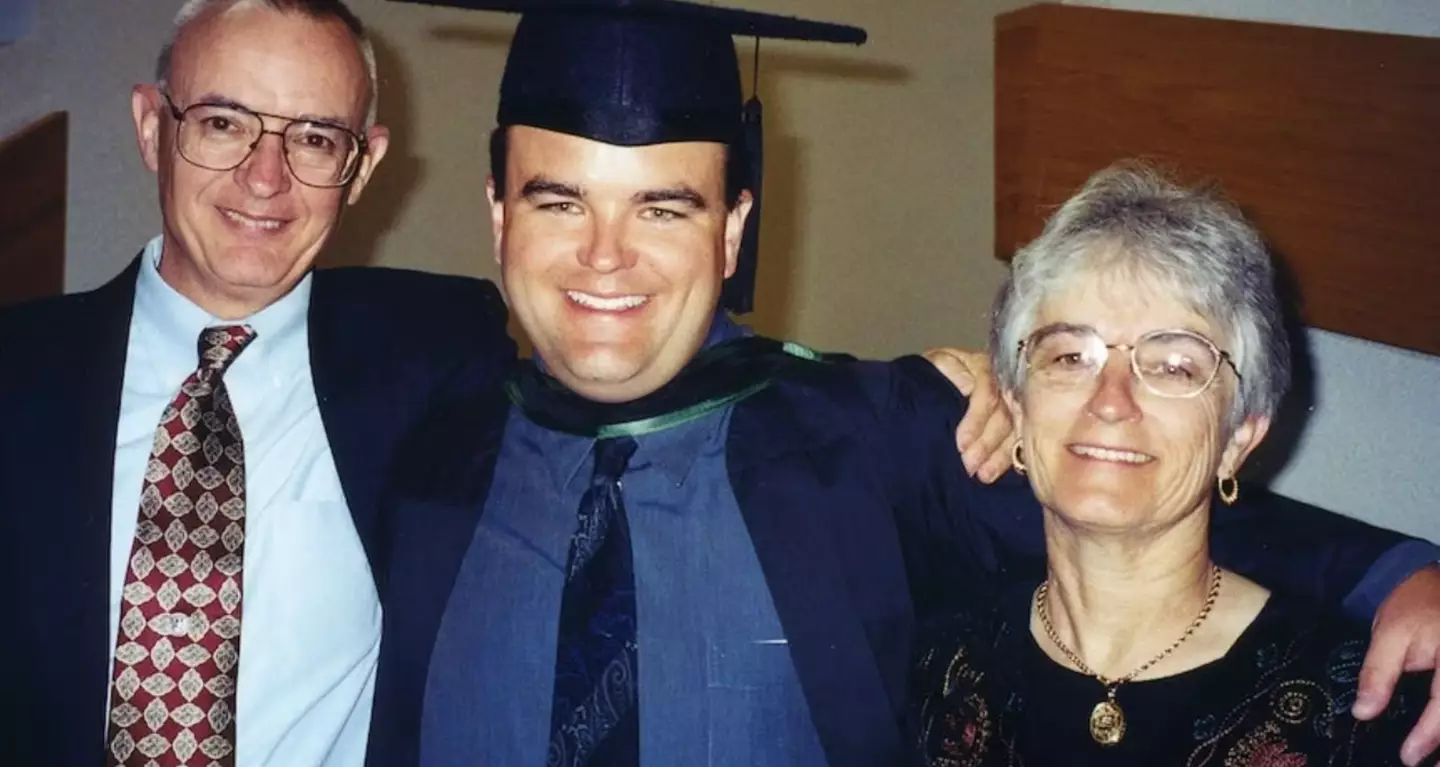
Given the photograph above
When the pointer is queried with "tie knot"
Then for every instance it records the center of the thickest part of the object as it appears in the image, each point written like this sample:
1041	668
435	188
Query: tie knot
219	346
612	455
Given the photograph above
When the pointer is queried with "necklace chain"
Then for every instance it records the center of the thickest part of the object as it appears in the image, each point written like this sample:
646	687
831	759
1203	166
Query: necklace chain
1043	613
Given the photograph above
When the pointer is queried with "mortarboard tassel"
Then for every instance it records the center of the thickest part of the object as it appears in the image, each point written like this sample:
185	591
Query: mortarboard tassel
738	294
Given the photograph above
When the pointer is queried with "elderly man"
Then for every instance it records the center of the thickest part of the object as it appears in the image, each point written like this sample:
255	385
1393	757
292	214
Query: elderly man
137	556
680	543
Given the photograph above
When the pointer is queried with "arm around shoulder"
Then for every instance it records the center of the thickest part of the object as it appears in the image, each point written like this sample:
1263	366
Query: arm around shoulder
1319	555
960	533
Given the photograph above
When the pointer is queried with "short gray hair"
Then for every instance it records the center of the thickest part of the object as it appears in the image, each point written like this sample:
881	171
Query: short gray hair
316	9
1131	220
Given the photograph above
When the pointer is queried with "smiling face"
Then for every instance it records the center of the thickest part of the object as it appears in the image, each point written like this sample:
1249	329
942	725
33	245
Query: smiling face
1111	455
238	240
613	257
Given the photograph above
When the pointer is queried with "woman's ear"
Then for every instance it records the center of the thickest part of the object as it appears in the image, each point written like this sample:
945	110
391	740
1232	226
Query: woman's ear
1242	442
1017	413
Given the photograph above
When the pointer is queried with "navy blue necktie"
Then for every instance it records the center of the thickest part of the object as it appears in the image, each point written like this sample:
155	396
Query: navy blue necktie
595	717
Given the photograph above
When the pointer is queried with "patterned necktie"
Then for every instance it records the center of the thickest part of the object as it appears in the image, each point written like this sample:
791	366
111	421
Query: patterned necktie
595	719
172	696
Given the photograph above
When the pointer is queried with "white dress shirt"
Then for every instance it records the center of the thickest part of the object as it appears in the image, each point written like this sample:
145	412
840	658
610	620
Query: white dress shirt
310	620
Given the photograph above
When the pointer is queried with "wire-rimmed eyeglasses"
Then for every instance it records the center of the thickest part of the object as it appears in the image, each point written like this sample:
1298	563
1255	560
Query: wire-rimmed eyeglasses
221	136
1172	363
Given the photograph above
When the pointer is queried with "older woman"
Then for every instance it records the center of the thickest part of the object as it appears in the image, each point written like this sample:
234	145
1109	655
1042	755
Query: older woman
1140	347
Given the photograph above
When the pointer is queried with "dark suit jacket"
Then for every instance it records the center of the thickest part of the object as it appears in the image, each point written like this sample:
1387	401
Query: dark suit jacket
864	523
385	345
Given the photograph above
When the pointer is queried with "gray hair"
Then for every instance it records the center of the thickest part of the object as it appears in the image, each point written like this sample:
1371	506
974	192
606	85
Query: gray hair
1131	220
316	9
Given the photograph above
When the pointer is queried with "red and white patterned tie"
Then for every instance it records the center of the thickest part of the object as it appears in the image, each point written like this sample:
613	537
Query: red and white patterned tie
177	653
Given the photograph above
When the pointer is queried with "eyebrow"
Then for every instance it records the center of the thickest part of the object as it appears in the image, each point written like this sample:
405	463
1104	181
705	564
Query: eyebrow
682	194
1068	327
1063	327
216	100
539	186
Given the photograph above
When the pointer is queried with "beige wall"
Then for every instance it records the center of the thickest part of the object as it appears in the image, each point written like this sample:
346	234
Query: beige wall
879	219
878	226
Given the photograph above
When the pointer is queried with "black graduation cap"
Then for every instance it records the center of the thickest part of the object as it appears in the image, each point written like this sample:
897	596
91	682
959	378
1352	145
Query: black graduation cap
638	72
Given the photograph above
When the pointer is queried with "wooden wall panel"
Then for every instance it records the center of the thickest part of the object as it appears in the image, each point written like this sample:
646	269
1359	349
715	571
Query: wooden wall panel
32	210
1329	139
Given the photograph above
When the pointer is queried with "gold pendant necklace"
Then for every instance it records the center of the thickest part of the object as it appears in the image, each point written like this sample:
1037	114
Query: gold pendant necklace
1107	719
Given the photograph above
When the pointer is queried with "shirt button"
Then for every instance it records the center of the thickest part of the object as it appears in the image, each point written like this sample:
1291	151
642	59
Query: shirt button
180	625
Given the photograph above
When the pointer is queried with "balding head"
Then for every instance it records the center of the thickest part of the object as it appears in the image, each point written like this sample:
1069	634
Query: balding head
194	11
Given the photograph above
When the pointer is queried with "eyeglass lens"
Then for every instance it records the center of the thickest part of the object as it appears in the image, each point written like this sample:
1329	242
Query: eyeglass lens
221	137
1170	363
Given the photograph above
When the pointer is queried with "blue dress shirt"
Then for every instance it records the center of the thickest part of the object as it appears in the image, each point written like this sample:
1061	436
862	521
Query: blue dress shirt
310	625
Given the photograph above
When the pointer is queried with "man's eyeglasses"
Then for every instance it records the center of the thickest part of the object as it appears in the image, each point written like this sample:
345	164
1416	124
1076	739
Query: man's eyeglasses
222	136
1169	363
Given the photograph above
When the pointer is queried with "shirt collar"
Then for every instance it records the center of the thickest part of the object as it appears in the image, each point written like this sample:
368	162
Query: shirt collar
280	328
674	452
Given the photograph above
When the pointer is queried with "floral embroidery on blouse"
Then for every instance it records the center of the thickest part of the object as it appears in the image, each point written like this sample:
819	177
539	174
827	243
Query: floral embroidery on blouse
1264	747
1280	698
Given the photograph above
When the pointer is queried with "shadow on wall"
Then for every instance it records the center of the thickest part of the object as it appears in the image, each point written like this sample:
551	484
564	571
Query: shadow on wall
785	192
1271	457
384	201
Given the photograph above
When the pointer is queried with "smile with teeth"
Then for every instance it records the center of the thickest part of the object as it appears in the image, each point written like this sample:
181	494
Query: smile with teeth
1110	454
606	303
252	223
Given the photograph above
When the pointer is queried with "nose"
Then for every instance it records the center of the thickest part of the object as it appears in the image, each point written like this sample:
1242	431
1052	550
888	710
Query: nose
1113	400
605	250
264	173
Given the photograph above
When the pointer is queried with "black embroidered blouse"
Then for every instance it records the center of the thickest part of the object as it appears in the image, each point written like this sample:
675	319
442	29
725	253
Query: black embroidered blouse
986	694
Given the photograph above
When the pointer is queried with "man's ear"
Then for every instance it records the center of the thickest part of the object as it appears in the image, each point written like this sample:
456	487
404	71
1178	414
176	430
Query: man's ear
145	105
497	216
1242	442
735	230
377	140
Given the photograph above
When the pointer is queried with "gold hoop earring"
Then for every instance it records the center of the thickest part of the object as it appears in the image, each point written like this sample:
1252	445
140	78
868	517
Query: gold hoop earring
1017	458
1229	493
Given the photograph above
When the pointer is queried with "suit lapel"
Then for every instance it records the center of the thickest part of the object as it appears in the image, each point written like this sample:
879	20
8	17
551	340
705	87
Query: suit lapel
75	465
784	504
352	404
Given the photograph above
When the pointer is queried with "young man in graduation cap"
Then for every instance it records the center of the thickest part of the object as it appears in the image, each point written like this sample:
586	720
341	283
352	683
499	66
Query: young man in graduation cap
679	543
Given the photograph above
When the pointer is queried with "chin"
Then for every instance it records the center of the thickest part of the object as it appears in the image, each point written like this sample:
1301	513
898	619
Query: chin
615	378
591	374
1108	511
256	268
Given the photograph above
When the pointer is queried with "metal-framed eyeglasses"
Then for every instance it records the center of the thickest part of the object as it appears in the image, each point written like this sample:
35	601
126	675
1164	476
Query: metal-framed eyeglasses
220	136
1171	363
